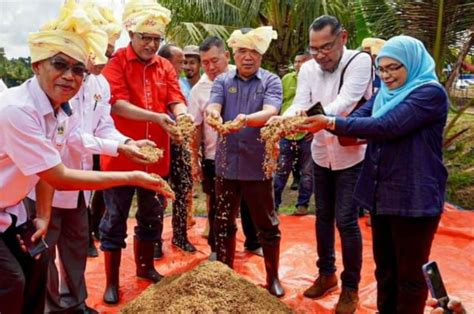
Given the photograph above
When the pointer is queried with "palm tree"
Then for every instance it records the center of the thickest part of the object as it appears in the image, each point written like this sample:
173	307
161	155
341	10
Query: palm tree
440	24
193	20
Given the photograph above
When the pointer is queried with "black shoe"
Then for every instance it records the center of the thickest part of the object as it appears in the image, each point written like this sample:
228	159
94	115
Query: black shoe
294	185
184	245
92	250
90	310
158	252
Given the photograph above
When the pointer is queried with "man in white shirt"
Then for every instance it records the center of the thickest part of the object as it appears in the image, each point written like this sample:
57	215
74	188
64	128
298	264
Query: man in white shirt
33	118
336	167
91	130
214	61
3	86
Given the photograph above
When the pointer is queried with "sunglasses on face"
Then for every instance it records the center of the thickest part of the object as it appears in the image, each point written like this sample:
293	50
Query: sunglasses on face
148	39
63	66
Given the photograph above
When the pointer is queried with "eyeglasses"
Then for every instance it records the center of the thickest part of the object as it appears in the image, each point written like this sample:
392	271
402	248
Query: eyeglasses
390	69
148	39
326	48
63	66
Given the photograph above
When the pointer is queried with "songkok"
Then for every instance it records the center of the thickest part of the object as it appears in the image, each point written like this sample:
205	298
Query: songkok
257	39
73	34
375	44
191	50
104	19
145	16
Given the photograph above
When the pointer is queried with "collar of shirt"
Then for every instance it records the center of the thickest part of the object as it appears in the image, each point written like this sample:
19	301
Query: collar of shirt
42	103
235	73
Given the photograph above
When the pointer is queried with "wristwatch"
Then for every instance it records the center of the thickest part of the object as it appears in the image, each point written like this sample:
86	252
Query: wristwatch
331	123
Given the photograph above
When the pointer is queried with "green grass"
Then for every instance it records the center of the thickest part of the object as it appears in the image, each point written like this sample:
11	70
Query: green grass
459	159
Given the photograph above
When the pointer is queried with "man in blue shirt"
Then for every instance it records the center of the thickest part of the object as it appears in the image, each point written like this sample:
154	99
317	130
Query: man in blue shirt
249	96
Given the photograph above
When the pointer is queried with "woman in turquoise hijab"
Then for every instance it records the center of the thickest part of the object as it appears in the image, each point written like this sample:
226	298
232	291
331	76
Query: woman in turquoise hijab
403	179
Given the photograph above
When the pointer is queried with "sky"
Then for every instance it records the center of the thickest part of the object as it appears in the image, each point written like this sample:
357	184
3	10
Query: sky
19	17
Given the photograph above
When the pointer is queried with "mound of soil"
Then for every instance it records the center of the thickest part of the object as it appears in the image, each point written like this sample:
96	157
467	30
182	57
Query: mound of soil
211	287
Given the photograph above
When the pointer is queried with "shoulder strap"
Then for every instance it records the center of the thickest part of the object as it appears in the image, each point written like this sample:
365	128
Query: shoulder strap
341	81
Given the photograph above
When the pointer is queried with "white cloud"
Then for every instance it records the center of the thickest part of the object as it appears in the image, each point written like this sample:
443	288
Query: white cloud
19	17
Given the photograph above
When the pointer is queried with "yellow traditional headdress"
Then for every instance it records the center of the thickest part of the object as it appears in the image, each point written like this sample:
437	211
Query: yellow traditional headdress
258	39
375	44
73	34
103	18
146	16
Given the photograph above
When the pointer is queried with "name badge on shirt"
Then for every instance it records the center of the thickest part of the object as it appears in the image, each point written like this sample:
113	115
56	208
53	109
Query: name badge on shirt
232	90
59	138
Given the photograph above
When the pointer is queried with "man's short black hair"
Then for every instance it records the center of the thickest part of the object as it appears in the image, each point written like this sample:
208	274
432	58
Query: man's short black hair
302	53
210	42
166	51
325	20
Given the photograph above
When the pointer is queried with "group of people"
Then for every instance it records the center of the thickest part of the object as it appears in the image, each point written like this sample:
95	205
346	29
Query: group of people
381	153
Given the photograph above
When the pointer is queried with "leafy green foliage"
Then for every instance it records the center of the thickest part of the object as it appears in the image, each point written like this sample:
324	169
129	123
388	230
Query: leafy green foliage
15	71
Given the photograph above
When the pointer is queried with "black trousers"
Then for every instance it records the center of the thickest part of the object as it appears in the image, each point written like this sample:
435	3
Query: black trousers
22	278
208	187
401	246
259	198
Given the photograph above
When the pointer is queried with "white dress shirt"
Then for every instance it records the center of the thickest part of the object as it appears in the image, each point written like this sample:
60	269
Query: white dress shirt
91	131
3	86
31	136
199	97
315	85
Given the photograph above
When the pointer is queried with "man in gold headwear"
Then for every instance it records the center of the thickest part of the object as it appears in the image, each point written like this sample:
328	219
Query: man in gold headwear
373	46
91	130
144	87
33	118
248	95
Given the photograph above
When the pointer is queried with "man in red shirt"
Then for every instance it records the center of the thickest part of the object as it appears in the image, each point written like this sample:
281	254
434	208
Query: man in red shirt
144	87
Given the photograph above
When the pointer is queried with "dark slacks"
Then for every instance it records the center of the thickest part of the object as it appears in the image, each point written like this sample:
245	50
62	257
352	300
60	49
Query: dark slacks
113	226
248	226
259	197
401	246
68	235
334	190
22	278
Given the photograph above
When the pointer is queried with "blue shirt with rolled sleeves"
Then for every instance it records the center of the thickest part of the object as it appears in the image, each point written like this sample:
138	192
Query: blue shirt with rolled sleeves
403	172
240	155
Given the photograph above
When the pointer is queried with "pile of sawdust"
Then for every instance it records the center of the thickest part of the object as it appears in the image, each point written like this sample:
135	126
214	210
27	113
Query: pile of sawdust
271	135
152	154
224	128
211	287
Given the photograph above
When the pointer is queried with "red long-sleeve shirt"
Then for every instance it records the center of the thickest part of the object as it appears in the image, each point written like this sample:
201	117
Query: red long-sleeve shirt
152	86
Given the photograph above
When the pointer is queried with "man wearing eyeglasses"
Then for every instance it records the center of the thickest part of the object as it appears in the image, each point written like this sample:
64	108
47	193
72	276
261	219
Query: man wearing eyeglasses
90	130
248	96
338	78
144	87
33	118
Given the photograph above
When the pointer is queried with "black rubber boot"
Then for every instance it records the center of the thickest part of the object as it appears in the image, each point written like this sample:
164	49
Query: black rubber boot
112	268
271	255
143	251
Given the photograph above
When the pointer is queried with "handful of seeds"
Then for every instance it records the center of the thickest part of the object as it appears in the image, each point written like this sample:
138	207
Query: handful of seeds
152	154
165	184
224	128
184	129
271	135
